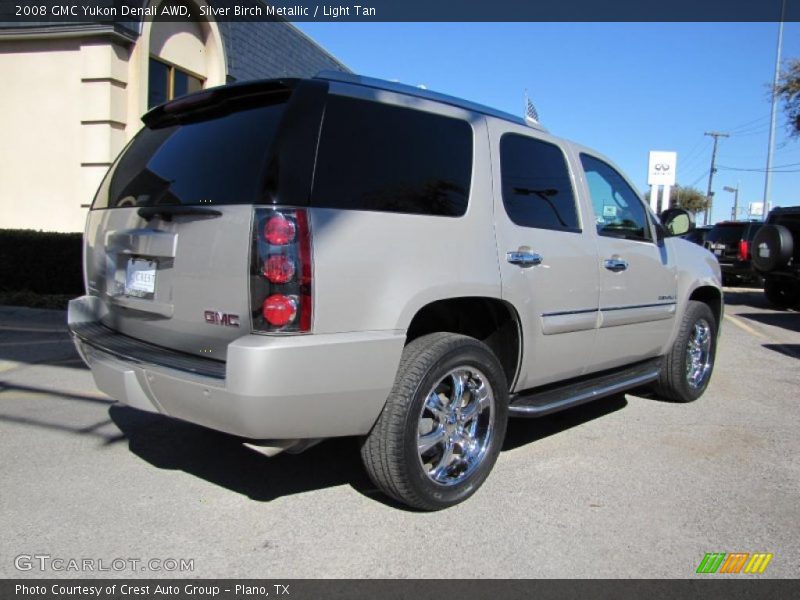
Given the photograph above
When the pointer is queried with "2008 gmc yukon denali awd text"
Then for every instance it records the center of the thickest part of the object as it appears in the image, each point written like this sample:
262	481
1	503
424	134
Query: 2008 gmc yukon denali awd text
292	260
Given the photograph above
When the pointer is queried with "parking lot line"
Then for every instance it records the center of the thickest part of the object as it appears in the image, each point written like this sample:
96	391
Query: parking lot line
746	327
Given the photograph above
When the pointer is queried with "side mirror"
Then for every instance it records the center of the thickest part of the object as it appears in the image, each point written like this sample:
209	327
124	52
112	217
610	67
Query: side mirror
677	221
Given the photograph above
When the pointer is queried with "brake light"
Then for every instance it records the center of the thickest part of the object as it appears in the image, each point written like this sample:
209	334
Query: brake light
279	230
744	250
279	268
281	273
278	310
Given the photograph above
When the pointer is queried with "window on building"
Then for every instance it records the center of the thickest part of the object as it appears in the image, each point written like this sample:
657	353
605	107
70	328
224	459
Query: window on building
166	82
618	210
374	156
537	190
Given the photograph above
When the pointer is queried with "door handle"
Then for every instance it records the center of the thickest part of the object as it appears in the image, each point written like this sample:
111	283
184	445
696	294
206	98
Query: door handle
523	258
615	264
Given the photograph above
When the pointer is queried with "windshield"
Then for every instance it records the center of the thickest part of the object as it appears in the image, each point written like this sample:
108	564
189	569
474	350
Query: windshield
727	234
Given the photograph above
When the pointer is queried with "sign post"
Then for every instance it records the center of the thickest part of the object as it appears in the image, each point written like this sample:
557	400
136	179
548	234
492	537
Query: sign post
661	171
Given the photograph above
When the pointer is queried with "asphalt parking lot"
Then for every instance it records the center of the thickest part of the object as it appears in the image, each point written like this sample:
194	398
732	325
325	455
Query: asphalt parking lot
625	487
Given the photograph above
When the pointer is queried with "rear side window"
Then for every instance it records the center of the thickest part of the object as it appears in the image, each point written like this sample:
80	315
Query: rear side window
379	157
218	159
537	190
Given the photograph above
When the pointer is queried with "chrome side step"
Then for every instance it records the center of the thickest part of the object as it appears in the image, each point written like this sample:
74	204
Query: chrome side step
539	402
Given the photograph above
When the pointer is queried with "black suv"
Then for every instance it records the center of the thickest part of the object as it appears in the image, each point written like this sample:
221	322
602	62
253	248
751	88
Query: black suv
776	255
698	234
730	242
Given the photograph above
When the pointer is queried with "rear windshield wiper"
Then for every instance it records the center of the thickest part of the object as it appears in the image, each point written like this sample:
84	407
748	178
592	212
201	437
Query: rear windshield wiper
167	212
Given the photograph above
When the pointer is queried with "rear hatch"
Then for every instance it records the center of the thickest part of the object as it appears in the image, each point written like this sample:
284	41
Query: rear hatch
169	238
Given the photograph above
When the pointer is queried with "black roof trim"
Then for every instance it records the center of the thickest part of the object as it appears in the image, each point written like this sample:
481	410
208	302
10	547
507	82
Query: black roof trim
409	90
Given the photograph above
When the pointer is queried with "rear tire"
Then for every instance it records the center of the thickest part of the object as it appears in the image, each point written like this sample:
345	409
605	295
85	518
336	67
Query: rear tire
443	424
687	367
782	293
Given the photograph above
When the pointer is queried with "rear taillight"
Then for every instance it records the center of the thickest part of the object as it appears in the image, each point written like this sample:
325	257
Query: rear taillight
280	271
744	250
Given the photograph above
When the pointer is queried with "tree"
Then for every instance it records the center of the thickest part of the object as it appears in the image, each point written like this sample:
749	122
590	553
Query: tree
788	91
688	198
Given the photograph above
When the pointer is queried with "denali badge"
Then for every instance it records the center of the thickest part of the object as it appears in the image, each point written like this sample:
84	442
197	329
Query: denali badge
214	317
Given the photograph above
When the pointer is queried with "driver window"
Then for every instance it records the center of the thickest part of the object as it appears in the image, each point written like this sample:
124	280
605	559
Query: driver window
618	211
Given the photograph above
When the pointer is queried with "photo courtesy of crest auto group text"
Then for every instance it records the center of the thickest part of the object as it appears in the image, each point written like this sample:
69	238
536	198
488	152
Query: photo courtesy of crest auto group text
294	299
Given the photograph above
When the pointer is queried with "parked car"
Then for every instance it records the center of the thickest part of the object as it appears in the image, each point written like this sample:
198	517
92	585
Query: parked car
776	255
731	243
698	234
293	260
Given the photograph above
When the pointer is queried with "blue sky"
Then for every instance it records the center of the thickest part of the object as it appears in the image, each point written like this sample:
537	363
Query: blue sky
622	88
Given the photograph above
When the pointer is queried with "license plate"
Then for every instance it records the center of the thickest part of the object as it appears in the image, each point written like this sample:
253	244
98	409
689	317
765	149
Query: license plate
718	252
140	277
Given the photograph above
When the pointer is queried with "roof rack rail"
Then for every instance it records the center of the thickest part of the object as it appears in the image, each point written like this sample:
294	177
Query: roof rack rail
410	90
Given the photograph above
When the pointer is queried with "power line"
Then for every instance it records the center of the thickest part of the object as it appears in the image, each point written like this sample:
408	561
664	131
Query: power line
696	181
778	169
747	124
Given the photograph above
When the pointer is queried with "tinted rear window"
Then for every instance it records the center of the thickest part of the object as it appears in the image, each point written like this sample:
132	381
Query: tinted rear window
726	234
216	160
379	157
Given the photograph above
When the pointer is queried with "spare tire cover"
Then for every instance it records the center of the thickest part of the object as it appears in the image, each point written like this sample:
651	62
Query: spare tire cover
772	248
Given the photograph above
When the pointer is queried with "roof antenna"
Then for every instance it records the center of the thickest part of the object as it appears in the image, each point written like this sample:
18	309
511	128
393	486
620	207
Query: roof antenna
531	116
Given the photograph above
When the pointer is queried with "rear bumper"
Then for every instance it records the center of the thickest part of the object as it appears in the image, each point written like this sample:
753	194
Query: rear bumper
270	387
737	268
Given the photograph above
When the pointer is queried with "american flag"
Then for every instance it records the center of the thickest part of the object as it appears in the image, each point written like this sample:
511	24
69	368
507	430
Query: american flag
530	111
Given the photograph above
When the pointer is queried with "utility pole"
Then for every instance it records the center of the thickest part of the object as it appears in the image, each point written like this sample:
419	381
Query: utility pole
710	195
771	141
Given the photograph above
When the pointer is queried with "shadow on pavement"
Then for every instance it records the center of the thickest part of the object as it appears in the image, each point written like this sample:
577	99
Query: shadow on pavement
525	431
746	297
221	459
792	350
785	320
10	387
38	345
92	429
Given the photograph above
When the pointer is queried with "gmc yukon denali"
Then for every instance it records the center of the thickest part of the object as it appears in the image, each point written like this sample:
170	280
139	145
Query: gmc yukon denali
294	260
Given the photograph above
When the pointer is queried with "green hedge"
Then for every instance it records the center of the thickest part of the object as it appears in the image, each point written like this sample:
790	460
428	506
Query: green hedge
41	262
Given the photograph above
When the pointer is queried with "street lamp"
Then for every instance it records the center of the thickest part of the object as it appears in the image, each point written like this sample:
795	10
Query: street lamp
735	192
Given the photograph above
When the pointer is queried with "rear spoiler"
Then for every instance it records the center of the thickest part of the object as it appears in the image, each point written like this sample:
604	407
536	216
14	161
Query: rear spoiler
179	109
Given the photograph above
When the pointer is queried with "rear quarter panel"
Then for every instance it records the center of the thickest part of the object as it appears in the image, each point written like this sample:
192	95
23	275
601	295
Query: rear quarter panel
375	270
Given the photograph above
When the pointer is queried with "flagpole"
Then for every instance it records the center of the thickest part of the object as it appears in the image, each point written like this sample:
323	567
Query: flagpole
525	104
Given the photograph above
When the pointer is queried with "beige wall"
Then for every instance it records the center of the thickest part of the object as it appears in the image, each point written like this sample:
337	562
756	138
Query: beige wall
69	106
40	122
63	114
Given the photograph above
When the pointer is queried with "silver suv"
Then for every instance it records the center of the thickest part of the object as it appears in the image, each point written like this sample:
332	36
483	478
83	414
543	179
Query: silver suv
294	260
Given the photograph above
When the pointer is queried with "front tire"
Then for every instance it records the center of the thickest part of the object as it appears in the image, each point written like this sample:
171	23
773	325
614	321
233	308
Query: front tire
687	367
443	424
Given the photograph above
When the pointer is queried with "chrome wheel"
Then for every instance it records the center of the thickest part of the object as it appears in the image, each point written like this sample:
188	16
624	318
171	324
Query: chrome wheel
698	354
455	426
